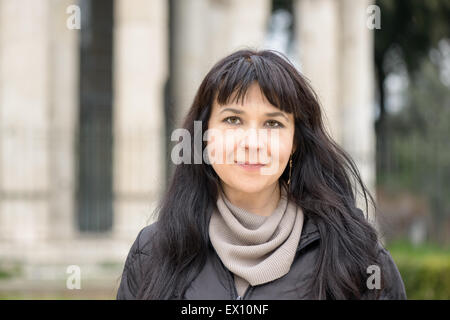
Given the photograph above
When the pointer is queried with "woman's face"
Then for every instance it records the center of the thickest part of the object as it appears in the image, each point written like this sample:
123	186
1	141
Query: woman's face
249	145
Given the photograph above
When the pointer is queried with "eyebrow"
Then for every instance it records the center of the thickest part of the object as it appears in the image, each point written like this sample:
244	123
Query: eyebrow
269	114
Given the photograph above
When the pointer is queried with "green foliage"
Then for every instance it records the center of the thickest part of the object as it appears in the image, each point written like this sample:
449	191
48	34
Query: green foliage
425	269
413	26
10	269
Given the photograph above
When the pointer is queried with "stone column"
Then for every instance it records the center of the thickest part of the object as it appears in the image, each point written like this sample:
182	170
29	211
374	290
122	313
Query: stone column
140	72
317	38
206	31
357	90
63	117
191	46
242	25
25	61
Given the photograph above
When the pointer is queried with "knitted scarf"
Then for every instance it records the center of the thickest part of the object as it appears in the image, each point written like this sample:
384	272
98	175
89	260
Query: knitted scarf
256	249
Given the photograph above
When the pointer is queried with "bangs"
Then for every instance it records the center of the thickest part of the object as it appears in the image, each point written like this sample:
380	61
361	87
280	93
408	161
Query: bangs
275	82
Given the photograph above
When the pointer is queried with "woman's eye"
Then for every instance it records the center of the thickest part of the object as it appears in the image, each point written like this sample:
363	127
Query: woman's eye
232	120
236	121
274	124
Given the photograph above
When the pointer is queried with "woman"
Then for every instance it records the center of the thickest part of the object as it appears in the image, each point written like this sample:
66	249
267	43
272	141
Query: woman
227	229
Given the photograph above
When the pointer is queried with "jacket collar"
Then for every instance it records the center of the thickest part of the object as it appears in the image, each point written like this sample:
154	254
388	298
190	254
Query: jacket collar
310	233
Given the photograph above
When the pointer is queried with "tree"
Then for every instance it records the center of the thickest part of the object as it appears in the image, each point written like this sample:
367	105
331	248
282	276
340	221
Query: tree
411	28
409	32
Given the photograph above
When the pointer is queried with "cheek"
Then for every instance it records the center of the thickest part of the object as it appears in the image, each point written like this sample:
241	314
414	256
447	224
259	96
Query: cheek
280	147
221	146
285	152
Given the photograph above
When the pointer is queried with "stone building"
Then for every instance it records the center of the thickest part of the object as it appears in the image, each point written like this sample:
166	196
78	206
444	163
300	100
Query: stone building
85	113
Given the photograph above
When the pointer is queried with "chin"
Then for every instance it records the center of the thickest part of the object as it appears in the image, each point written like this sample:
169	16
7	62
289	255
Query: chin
253	185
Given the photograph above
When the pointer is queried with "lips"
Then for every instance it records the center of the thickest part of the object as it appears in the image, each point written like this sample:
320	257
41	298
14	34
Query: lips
250	166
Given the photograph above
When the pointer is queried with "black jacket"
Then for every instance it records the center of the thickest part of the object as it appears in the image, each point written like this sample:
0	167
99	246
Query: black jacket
216	282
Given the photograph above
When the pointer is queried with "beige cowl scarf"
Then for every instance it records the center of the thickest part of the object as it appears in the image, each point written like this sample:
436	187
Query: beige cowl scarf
256	249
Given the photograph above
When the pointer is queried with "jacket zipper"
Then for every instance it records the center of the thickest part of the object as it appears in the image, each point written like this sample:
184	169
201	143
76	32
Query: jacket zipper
250	287
238	297
231	281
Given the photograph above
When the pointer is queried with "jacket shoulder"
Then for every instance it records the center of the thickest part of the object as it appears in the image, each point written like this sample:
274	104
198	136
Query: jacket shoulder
394	287
132	274
145	237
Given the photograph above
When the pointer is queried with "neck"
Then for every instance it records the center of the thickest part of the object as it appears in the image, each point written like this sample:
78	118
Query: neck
261	203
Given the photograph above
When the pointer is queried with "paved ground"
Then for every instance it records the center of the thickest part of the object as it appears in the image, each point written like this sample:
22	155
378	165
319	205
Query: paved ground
104	289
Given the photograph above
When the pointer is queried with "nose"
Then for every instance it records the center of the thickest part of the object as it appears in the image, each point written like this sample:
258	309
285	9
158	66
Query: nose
252	139
253	146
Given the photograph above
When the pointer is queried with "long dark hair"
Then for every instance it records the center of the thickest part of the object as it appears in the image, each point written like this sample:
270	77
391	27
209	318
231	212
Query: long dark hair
320	185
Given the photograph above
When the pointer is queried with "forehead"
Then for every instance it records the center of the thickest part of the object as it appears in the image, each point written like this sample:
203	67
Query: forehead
253	98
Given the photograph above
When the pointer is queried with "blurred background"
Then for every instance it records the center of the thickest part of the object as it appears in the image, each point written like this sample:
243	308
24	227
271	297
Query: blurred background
90	91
